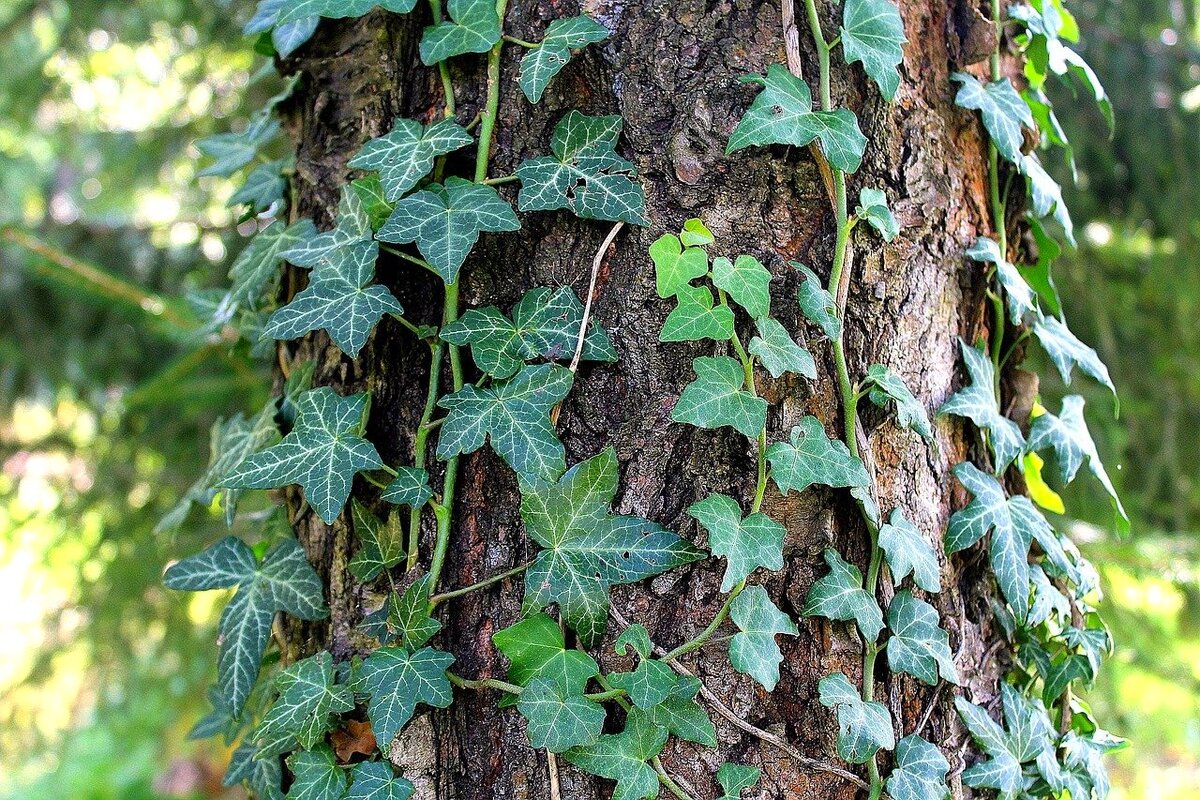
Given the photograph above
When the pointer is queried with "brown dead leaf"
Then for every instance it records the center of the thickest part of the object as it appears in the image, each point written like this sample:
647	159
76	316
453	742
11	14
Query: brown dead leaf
354	739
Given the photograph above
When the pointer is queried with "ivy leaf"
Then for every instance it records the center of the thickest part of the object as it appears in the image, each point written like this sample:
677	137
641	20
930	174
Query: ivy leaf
648	685
817	303
1002	771
445	221
232	151
682	715
1045	194
886	386
264	187
756	541
1047	600
301	715
323	251
745	280
515	416
622	757
285	37
541	64
676	266
584	174
736	778
559	715
1063	673
1067	352
317	776
260	260
840	595
339	301
977	402
864	727
284	581
908	552
811	457
635	636
872	203
535	648
338	9
586	550
872	32
382	545
778	352
397	681
1016	291
375	780
373	198
716	398
410	487
322	453
1002	109
1068	435
545	324
753	651
696	234
782	113
262	775
474	29
920	772
409	616
918	645
695	318
220	720
406	154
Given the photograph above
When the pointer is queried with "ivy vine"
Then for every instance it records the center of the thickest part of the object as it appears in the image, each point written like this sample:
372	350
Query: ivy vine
1045	745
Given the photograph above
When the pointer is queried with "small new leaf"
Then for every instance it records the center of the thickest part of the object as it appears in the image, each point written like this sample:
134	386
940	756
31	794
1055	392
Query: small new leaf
887	386
908	552
541	64
977	402
863	727
810	457
406	154
717	398
873	205
747	544
817	303
873	33
840	595
918	645
676	266
696	318
382	544
778	352
753	650
746	281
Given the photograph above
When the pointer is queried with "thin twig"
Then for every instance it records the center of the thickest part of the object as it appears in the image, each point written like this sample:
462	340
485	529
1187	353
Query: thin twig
587	304
728	713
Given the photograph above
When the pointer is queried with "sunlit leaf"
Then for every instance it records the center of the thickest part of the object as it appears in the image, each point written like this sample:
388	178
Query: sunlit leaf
873	33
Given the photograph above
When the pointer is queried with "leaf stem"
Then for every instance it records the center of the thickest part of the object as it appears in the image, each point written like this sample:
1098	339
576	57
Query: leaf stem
483	584
704	635
522	42
421	445
435	6
500	181
420	262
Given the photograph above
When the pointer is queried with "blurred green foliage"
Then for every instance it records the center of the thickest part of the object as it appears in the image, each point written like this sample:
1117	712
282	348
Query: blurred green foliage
105	417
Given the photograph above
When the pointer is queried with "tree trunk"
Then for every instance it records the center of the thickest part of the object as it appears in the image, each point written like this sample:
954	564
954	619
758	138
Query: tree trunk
671	70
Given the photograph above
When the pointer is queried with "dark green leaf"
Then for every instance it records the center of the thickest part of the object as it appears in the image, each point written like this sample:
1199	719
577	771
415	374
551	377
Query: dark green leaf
840	595
475	27
753	651
872	32
622	757
264	187
1016	291
375	780
977	402
397	681
262	775
303	712
410	487
817	303
811	457
918	645
736	778
756	541
382	545
1067	352
406	155
1068	435
559	715
316	776
863	727
541	64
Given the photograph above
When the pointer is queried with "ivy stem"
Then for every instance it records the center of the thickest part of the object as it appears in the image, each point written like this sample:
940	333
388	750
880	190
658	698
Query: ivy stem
760	488
500	181
483	584
704	635
521	42
421	445
839	285
999	212
435	6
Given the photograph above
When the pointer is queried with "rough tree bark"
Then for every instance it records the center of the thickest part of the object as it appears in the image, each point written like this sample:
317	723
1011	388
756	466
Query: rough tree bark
671	70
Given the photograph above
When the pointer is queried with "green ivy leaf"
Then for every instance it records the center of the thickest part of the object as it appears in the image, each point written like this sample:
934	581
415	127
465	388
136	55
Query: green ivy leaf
811	457
375	780
339	301
262	775
676	266
696	234
475	27
371	193
284	581
1002	109
1016	291
747	544
716	398
1014	523
586	550
232	151
322	453
817	303
542	63
872	203
294	10
840	595
264	187
635	636
1063	673
220	720
873	33
1095	643
397	681
778	352
260	260
445	221
977	402
409	616
515	416
287	36
753	651
559	715
1047	600
622	757
535	648
1069	437
406	155
908	552
648	685
584	174
746	281
410	487
1045	195
682	715
317	776
382	545
695	318
920	772
544	324
918	645
1067	352
324	251
1002	771
888	386
782	113
864	727
736	778
303	712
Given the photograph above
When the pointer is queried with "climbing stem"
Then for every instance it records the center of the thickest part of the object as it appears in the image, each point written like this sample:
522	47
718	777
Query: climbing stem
704	635
483	584
760	489
435	6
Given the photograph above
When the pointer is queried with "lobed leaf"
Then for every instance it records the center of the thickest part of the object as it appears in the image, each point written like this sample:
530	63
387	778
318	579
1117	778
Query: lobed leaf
542	63
752	650
716	398
864	727
840	595
406	155
746	544
810	458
